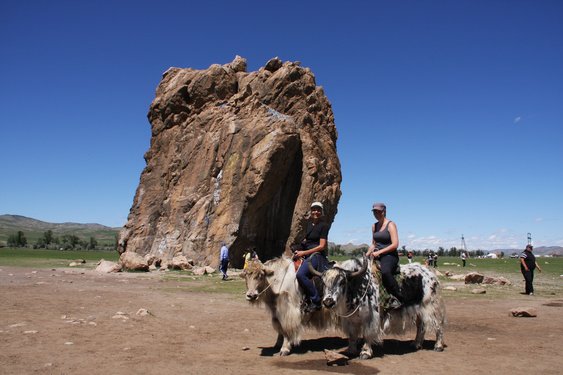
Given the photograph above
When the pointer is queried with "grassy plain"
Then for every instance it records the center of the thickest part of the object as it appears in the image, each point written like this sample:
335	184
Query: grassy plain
41	258
549	282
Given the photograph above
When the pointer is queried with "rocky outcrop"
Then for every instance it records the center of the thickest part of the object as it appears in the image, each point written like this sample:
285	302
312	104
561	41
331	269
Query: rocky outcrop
106	266
235	157
526	312
132	261
496	280
474	278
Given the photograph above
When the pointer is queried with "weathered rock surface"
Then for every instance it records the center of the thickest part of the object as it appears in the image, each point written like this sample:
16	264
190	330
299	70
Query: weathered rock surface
235	157
133	262
457	277
180	262
496	280
479	291
474	278
106	266
335	359
525	312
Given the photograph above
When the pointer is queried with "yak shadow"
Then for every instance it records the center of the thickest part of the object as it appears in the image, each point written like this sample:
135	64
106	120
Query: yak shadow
310	345
389	347
398	347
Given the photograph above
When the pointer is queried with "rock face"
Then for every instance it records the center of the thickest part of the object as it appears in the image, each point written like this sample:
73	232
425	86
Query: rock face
474	278
235	157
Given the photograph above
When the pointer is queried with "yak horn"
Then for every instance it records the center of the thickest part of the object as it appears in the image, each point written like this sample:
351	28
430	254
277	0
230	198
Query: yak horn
313	270
362	270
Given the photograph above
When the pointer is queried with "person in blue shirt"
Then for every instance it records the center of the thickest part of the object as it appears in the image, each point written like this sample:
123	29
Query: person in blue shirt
224	259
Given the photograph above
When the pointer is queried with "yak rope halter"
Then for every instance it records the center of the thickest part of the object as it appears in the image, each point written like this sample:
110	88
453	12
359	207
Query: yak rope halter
270	285
359	303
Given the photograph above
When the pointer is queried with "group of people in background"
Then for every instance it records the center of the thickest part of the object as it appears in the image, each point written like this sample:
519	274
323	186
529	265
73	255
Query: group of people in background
313	249
248	256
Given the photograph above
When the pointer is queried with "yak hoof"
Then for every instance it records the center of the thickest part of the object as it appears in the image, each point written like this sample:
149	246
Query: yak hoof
283	352
364	355
439	349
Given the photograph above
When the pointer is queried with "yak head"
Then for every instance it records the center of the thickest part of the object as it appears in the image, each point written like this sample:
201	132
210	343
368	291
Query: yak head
338	279
256	274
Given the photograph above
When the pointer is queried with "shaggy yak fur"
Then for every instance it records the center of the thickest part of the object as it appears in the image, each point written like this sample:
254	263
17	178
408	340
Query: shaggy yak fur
352	292
274	284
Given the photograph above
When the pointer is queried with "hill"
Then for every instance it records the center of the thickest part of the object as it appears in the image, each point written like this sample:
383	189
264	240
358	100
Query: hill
539	251
34	229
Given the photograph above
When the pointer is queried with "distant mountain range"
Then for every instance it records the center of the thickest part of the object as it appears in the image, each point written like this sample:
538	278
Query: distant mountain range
33	229
540	250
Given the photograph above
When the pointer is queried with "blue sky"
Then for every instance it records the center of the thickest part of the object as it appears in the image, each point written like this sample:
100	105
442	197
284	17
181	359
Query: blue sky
448	111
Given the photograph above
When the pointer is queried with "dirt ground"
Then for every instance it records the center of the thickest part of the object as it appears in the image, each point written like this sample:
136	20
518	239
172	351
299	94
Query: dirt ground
72	321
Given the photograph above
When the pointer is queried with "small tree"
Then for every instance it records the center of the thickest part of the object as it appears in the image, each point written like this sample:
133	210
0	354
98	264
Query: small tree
93	243
440	251
17	240
48	237
70	241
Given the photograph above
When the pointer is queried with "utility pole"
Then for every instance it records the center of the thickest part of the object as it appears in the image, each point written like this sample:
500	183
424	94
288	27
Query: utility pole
463	245
529	238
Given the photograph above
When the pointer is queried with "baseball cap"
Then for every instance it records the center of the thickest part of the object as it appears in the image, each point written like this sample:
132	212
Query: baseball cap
317	204
378	206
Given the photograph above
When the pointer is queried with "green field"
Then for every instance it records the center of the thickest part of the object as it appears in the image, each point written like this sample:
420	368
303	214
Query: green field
41	258
549	283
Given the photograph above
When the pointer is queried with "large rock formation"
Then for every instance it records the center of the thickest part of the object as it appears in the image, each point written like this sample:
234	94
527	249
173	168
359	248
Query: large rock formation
235	157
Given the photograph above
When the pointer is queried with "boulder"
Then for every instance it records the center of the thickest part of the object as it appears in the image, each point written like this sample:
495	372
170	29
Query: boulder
474	278
235	156
496	280
106	266
335	359
525	312
180	262
209	270
131	261
143	312
153	260
457	277
478	291
198	271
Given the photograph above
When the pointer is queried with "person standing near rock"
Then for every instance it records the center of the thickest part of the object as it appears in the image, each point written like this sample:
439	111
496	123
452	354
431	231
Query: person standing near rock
463	257
527	266
385	241
249	256
224	259
314	250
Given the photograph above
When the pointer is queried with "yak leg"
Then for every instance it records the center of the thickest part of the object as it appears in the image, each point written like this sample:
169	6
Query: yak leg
367	351
439	345
420	332
279	341
352	346
286	347
282	340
